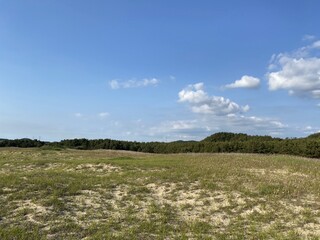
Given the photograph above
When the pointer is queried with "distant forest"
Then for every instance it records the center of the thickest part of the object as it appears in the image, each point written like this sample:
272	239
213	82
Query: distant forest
222	142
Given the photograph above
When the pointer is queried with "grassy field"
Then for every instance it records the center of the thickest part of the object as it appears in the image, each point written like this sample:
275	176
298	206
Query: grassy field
69	194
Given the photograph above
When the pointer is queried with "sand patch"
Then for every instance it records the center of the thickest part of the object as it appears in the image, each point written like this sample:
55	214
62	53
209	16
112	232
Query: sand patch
292	207
34	211
52	166
8	190
309	229
256	209
28	204
94	206
275	172
150	170
88	199
194	203
101	167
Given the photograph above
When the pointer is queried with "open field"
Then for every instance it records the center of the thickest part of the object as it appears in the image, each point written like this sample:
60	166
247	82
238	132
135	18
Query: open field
70	194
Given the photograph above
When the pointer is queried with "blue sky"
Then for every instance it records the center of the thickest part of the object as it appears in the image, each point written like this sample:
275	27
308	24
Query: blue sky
158	70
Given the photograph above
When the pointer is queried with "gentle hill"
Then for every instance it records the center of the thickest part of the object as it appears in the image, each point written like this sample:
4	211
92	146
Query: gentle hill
234	137
314	136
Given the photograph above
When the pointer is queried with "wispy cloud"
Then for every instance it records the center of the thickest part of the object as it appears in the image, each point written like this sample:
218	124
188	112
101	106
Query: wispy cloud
179	130
78	115
173	78
201	102
308	37
200	127
307	130
133	83
245	82
103	114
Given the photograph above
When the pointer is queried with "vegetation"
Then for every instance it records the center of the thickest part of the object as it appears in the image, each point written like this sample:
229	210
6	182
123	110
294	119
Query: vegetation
23	143
314	136
236	137
216	143
106	194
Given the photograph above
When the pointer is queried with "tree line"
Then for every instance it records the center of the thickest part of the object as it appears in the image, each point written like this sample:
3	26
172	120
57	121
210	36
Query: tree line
222	142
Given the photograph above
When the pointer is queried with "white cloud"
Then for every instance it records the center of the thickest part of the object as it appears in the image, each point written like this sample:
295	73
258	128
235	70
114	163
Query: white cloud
255	123
180	130
78	115
201	102
245	82
114	84
308	37
193	94
218	114
103	114
201	127
309	130
316	44
298	72
173	78
133	83
177	125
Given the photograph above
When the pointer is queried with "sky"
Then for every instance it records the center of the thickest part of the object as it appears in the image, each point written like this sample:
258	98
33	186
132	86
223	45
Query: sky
158	70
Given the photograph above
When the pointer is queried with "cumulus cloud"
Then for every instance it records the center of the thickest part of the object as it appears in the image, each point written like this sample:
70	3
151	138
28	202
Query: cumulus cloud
201	102
297	72
245	82
218	114
133	83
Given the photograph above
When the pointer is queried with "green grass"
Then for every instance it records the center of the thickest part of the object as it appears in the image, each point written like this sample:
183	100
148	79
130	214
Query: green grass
70	194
